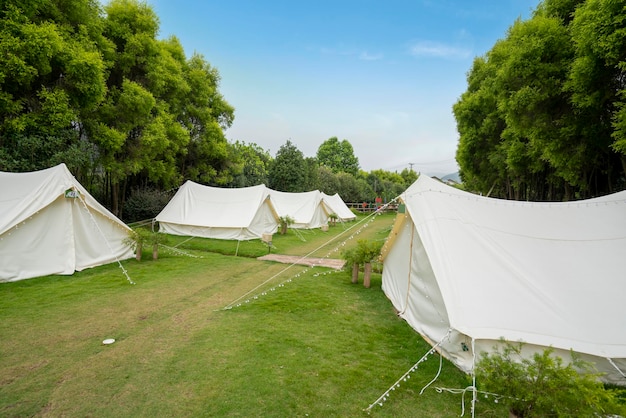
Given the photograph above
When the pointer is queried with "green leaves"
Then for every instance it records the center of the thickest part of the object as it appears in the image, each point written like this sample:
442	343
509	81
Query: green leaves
542	106
338	156
541	385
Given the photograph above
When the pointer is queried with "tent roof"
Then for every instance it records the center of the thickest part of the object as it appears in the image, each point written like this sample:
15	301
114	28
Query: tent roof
206	206
338	206
302	207
24	194
550	274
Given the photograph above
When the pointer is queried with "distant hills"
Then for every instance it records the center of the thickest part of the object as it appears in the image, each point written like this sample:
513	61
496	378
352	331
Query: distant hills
452	176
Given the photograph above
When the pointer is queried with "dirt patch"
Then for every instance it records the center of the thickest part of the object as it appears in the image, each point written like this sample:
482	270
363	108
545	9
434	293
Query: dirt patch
305	261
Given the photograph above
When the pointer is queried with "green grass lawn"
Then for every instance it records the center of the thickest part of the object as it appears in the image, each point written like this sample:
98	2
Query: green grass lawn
308	342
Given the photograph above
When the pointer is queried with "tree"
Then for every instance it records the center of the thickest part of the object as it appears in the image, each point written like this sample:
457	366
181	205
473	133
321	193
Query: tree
253	161
51	75
597	80
349	187
328	182
409	176
338	156
163	117
312	179
132	127
206	115
541	117
288	170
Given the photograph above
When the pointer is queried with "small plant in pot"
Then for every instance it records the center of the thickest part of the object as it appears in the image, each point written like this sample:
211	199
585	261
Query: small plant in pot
138	238
364	254
285	222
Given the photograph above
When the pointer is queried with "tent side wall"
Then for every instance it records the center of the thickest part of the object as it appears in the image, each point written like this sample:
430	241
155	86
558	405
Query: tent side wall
410	284
339	207
40	245
98	239
219	213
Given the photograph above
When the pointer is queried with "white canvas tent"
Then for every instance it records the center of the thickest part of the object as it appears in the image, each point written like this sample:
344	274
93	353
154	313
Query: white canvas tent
50	224
465	271
339	207
213	212
307	209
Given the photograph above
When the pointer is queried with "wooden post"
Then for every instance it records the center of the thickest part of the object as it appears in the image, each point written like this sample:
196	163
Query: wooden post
355	273
155	251
367	273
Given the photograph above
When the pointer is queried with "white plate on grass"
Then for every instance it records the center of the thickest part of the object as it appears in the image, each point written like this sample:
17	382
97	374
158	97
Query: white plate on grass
108	341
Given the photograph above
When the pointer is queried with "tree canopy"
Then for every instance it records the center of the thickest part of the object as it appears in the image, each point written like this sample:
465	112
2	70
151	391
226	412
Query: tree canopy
543	114
338	156
93	87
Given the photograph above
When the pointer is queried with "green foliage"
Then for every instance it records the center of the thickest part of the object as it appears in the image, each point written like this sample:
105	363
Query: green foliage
252	162
288	170
284	222
144	203
542	116
338	156
77	78
365	251
542	386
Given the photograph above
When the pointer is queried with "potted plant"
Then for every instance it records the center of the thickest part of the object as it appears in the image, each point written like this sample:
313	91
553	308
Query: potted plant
135	240
155	238
363	254
285	221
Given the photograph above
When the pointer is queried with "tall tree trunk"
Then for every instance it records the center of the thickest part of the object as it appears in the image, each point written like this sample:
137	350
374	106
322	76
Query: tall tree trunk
115	191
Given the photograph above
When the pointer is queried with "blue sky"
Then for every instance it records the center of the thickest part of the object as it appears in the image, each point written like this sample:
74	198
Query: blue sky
383	75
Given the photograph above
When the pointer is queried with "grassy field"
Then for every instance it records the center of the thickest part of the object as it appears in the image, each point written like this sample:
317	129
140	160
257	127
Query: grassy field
307	342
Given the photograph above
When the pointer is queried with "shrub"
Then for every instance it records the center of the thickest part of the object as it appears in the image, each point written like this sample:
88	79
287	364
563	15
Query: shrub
543	386
285	221
364	253
144	203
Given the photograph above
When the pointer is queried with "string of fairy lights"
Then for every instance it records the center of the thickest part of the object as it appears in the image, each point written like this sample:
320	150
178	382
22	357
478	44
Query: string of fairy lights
246	298
93	220
406	376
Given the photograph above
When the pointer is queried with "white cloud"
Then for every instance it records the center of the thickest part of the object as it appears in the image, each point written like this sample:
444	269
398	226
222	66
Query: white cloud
437	49
366	56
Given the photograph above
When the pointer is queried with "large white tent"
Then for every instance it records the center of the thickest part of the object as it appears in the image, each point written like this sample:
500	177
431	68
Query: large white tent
213	212
339	207
307	209
50	224
466	271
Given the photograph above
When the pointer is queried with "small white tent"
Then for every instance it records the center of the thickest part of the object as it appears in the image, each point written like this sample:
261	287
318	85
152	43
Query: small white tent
339	207
213	212
465	271
50	224
307	209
